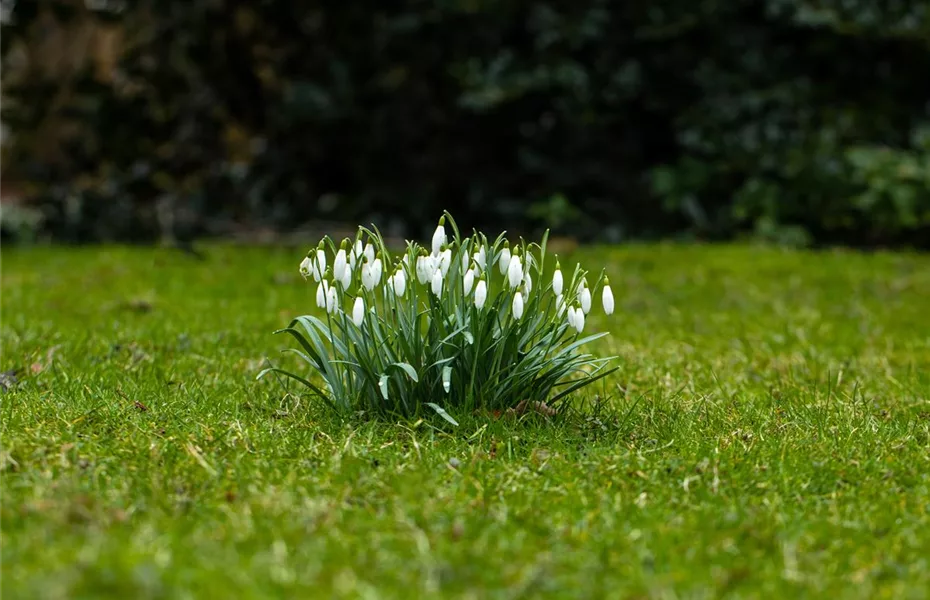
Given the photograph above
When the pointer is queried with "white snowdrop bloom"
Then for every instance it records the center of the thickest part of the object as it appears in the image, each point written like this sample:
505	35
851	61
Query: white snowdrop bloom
571	316
559	305
527	283
465	262
557	281
585	299
399	283
481	294
436	283
517	306
331	299
445	260
481	257
514	272
358	311
607	298
439	237
504	261
367	276
579	320
305	267
347	277
468	281
321	261
421	269
321	290
376	271
369	253
339	265
356	253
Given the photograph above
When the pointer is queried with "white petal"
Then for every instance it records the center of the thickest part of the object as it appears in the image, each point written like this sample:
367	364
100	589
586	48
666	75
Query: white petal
579	320
339	265
321	260
514	272
517	305
445	259
468	281
557	282
504	261
586	300
439	238
358	312
528	283
320	296
369	253
400	283
376	269
305	266
331	299
481	257
607	299
437	283
481	294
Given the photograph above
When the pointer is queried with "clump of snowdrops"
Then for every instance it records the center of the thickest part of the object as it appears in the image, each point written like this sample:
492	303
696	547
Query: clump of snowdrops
462	324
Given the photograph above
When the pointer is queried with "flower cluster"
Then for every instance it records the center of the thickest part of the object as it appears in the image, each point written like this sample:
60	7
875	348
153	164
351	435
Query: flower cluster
462	315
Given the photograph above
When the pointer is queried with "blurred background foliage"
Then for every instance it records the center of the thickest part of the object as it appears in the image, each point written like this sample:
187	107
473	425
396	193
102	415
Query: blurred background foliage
798	121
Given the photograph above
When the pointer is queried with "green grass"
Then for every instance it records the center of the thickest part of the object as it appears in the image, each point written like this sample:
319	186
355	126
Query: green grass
767	435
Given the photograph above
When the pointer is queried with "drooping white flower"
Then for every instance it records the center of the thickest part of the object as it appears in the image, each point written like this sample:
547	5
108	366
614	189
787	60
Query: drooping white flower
376	271
369	252
465	262
339	265
436	283
514	272
571	316
607	298
481	257
559	305
356	253
439	237
366	276
399	283
347	277
579	320
321	261
481	294
358	311
468	281
585	298
321	290
504	261
421	269
527	283
557	281
305	267
331	299
517	306
445	260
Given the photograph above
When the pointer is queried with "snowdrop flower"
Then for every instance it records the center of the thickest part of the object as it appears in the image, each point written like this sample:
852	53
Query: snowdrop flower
321	290
585	297
517	306
579	320
468	281
607	298
366	276
436	284
481	257
320	262
369	252
376	271
481	294
426	265
445	259
571	316
330	299
514	272
464	261
339	265
439	236
559	305
356	253
399	283
557	281
347	277
358	311
504	261
527	283
305	267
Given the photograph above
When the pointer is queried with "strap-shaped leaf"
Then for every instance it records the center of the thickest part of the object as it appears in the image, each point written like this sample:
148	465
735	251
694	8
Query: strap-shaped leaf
442	413
408	369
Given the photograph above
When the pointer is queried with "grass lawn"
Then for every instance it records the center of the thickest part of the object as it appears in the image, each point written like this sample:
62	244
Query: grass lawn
767	435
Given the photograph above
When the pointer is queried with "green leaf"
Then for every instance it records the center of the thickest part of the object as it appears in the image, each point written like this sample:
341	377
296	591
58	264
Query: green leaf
408	369
383	386
442	413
